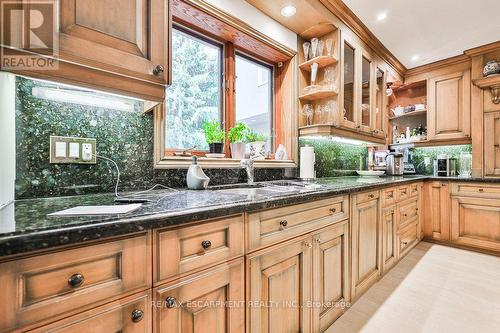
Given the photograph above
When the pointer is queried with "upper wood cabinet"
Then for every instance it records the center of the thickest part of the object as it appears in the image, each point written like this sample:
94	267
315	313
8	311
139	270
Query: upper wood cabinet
492	144
448	99
129	37
380	106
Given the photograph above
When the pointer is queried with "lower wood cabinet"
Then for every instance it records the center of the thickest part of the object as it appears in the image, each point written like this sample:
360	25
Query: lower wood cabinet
476	222
366	243
278	285
212	301
330	275
437	211
408	236
389	243
128	315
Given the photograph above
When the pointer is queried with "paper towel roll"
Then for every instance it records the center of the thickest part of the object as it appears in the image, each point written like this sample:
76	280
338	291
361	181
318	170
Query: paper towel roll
307	160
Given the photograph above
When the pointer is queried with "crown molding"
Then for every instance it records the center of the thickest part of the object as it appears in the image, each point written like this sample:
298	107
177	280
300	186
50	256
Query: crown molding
347	16
483	49
456	60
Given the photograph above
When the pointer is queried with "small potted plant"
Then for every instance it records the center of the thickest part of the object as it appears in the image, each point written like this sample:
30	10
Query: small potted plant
257	143
214	135
237	137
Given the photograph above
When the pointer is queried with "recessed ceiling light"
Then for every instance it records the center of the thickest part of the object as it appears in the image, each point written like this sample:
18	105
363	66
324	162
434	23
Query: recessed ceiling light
288	11
415	57
381	16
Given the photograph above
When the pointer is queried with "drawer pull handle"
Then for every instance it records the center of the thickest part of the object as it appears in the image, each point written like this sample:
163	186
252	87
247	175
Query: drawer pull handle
206	244
76	280
158	70
333	210
283	224
170	302
318	240
404	243
137	315
390	196
481	190
371	196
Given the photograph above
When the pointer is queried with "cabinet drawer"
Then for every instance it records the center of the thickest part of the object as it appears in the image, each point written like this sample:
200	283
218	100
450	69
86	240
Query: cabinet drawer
128	315
41	288
196	247
403	192
407	212
367	196
479	190
408	236
275	225
389	197
414	189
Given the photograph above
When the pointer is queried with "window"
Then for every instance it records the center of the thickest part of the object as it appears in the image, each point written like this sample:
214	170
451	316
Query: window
254	95
195	95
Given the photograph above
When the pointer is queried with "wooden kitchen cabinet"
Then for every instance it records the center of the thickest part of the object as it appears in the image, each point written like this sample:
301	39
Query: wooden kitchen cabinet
492	144
389	244
475	222
330	274
212	301
448	104
278	282
437	211
366	242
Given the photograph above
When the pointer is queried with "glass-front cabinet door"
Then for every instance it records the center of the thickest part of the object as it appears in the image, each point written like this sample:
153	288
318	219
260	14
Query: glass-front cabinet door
348	107
380	103
365	109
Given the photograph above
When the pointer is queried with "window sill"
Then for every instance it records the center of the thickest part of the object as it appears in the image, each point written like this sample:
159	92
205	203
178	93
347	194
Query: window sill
176	162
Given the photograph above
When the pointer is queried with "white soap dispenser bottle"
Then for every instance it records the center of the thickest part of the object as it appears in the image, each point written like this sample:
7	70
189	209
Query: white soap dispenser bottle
196	178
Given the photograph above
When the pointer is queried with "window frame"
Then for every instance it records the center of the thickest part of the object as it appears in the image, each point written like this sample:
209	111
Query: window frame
222	60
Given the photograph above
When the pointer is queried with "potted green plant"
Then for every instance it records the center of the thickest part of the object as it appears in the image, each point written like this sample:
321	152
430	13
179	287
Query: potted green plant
257	143
237	137
214	135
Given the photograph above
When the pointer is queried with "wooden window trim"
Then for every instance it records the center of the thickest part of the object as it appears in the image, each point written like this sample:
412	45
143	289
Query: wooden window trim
279	58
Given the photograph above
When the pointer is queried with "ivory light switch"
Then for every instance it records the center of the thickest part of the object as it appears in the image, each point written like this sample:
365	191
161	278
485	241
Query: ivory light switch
60	149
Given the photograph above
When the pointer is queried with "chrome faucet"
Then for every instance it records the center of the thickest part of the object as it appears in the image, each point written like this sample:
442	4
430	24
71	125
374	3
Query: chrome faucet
248	165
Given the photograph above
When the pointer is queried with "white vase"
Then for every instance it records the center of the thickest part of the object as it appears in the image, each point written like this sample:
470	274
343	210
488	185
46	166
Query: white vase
238	150
258	150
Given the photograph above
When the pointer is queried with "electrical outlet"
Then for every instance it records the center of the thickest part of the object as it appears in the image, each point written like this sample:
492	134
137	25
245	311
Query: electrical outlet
72	150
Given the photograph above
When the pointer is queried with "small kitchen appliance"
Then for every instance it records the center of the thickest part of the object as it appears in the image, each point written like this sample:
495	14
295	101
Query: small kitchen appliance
445	166
394	164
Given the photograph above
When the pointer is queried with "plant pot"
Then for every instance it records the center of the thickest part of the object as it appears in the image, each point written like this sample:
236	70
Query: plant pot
258	150
216	148
238	150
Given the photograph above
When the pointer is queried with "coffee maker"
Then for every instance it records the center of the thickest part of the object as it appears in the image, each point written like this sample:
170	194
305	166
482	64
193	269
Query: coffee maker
395	165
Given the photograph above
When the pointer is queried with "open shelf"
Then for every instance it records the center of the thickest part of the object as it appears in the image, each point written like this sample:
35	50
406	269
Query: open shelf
318	94
325	130
487	82
410	114
322	61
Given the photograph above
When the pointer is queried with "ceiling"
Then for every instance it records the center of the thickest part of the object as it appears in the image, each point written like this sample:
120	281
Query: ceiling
419	32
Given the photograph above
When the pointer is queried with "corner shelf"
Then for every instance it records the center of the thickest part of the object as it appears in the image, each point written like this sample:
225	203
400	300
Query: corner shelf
322	61
318	94
488	82
410	114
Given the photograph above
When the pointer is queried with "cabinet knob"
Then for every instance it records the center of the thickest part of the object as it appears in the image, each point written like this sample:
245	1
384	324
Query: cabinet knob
333	210
283	224
137	315
371	196
318	240
76	280
206	244
404	243
170	302
158	70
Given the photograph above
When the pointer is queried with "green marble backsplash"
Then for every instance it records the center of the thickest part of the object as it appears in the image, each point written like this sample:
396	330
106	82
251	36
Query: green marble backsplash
335	158
126	136
423	157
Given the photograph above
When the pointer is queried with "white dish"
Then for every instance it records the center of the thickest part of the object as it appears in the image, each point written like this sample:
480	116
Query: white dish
374	173
215	155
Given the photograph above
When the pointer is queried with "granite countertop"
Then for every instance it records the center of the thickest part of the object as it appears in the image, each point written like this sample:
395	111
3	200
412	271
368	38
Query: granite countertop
25	226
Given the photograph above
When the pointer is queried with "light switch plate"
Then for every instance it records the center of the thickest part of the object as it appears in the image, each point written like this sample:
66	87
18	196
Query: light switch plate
73	148
61	149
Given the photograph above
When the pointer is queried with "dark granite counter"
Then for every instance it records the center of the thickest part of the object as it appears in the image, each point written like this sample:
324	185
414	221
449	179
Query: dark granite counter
25	226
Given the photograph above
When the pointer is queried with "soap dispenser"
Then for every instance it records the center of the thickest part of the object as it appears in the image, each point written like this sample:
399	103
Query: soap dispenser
196	178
